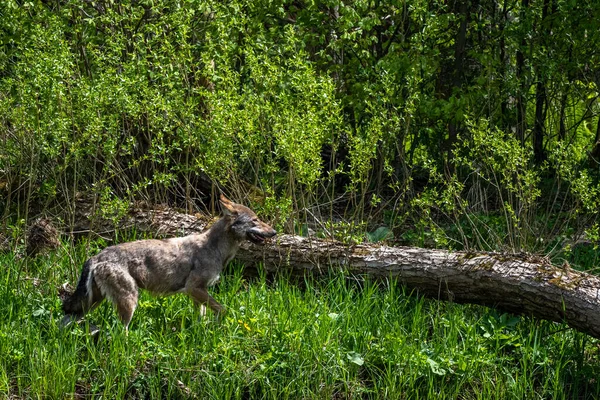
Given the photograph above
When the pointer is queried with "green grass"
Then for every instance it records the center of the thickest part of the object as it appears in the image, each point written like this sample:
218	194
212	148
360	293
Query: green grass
339	337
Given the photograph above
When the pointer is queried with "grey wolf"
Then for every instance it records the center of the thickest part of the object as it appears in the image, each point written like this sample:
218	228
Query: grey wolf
187	264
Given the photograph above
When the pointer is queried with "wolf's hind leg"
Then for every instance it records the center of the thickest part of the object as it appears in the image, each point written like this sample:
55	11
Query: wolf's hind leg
120	287
125	307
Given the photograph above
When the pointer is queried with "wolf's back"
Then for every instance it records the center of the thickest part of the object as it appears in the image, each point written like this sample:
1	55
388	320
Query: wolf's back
75	303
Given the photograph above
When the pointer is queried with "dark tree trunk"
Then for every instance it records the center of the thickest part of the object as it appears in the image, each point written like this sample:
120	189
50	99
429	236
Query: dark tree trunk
457	77
506	120
540	94
562	128
539	154
595	153
521	101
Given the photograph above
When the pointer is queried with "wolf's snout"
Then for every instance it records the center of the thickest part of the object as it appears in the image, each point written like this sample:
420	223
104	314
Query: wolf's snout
259	235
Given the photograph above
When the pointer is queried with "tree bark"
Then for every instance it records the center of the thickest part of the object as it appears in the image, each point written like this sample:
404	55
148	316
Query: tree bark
521	284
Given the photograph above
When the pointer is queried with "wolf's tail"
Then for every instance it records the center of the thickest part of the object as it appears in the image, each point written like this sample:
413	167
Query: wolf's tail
78	302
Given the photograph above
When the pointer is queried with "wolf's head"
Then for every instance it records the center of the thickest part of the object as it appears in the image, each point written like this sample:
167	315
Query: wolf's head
245	225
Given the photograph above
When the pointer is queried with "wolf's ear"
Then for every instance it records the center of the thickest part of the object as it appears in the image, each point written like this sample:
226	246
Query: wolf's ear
227	206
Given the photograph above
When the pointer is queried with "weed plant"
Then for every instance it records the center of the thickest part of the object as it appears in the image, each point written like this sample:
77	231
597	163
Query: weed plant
334	337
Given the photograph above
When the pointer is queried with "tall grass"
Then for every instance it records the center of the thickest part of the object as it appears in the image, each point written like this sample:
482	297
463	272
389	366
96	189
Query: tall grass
335	337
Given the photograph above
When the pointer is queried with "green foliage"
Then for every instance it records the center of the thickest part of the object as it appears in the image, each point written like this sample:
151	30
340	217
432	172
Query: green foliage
380	234
502	163
137	102
470	125
346	232
490	164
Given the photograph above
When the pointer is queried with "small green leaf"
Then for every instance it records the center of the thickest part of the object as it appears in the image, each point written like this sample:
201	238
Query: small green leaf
40	312
355	358
435	367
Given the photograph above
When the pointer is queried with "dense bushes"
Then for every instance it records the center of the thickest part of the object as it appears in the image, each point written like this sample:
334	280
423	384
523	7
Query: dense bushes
467	124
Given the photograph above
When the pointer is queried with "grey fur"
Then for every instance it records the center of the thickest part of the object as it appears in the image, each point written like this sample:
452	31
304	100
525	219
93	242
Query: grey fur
187	264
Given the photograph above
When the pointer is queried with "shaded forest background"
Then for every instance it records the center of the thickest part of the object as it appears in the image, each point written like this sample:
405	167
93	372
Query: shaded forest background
458	124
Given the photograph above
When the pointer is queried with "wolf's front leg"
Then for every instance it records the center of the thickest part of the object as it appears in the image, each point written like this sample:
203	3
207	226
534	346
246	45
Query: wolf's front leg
202	298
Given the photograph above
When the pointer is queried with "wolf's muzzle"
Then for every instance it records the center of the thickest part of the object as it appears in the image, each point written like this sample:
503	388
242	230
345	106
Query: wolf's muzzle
259	236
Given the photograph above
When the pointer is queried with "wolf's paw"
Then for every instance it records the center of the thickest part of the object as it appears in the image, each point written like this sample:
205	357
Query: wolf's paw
220	315
67	320
94	330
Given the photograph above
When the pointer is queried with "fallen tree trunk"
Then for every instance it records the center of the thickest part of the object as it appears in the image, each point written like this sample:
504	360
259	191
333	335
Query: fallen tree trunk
519	284
515	283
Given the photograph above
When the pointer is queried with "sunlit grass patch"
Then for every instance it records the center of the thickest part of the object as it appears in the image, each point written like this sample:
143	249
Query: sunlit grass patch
338	336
